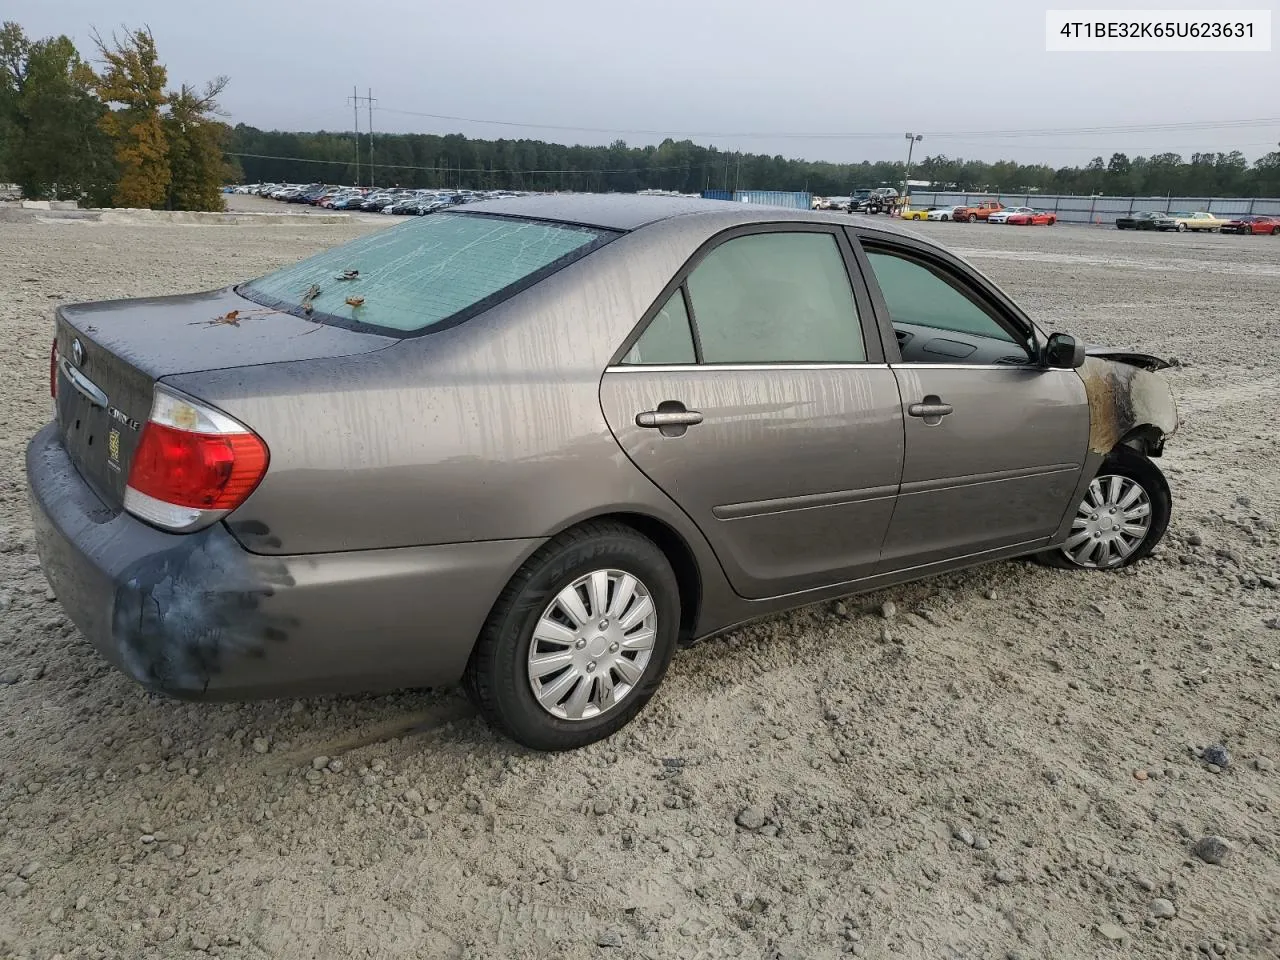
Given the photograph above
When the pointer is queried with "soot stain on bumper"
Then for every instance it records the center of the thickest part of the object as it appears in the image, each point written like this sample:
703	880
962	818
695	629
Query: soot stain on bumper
1123	396
183	616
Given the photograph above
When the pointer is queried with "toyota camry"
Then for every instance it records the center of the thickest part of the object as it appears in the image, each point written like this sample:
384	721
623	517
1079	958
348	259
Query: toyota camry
538	444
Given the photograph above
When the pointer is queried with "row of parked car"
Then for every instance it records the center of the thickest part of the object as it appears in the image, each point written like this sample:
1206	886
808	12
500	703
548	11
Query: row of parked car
992	211
391	200
1257	225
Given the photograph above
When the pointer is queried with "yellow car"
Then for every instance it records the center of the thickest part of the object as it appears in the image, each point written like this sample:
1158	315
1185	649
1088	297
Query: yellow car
1199	221
920	214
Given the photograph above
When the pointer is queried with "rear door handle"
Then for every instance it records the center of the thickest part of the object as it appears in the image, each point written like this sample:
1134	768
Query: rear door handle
931	410
656	418
671	419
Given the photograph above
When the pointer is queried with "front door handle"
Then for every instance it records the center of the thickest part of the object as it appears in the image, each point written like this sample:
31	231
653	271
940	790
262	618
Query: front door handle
671	418
931	410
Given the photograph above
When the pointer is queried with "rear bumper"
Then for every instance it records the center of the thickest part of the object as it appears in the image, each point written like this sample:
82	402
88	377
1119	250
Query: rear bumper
198	616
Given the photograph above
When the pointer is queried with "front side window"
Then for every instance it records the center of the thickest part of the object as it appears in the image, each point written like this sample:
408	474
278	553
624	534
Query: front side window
776	298
934	320
411	277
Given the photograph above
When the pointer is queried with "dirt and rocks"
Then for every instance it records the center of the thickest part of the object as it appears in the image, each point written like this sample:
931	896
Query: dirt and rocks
1010	762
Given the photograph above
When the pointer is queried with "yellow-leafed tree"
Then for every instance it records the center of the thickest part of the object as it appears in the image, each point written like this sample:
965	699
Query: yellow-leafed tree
132	87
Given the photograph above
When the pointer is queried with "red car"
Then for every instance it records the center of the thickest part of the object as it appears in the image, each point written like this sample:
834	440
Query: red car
1037	219
1257	225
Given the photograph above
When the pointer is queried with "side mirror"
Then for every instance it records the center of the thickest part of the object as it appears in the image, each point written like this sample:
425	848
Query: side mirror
1063	352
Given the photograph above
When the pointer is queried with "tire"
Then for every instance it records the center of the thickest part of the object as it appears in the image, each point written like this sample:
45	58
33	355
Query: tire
1181	228
973	218
498	675
1132	468
944	217
1275	232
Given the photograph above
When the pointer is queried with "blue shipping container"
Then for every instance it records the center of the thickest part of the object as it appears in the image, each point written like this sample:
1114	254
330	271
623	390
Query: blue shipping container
717	194
775	198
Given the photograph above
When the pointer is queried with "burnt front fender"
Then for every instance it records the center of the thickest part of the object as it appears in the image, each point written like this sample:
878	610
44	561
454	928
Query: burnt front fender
1124	398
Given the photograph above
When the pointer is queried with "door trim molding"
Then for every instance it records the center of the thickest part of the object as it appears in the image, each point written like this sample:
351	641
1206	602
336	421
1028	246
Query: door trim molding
948	483
808	501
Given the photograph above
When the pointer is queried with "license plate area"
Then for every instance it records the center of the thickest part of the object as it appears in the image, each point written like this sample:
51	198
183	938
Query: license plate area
93	441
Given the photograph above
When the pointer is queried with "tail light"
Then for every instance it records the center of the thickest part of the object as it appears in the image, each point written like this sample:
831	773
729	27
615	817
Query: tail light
193	465
53	369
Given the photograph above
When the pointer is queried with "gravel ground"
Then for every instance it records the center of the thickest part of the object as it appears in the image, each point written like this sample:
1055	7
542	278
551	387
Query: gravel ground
1010	762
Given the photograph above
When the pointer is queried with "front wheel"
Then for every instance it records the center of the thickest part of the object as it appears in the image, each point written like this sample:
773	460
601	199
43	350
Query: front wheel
1124	514
973	218
579	640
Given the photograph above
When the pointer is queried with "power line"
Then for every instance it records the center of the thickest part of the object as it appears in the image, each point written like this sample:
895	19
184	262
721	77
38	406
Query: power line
863	135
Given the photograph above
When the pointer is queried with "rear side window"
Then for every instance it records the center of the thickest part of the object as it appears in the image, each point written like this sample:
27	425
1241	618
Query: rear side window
411	277
667	339
776	298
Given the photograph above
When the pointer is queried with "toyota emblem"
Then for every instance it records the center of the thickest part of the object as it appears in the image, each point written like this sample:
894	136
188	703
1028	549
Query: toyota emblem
77	352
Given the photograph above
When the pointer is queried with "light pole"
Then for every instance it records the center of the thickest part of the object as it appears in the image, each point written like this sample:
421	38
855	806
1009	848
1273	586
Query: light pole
912	140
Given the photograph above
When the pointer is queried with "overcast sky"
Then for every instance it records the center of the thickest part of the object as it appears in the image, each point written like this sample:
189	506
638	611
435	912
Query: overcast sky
698	67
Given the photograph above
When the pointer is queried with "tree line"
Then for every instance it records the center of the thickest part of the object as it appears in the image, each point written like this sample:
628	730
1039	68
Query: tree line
116	135
453	160
111	136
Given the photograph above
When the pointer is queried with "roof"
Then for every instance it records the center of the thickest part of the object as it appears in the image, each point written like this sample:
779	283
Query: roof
628	211
613	211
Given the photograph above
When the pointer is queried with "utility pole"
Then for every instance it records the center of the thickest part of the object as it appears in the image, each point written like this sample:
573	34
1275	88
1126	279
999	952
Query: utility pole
369	98
356	100
355	112
912	140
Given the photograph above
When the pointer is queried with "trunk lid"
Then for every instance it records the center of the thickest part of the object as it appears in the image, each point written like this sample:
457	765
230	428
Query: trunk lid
105	384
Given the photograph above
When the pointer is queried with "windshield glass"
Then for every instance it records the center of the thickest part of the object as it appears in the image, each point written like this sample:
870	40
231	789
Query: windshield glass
411	277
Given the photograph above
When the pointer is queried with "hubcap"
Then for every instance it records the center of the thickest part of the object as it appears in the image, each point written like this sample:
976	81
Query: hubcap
592	644
1111	522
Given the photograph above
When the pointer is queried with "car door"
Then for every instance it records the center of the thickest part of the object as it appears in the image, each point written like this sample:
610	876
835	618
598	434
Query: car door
995	442
755	394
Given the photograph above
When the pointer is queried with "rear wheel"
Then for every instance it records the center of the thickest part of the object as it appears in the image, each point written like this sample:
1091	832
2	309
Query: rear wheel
1182	228
1275	231
1123	515
579	640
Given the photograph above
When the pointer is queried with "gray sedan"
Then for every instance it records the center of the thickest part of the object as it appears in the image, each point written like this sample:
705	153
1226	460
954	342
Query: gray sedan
537	444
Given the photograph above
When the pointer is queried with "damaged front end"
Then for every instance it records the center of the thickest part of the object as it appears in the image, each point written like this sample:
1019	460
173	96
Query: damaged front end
1129	402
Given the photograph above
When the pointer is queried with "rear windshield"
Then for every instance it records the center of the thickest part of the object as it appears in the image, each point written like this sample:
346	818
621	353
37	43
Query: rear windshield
417	275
